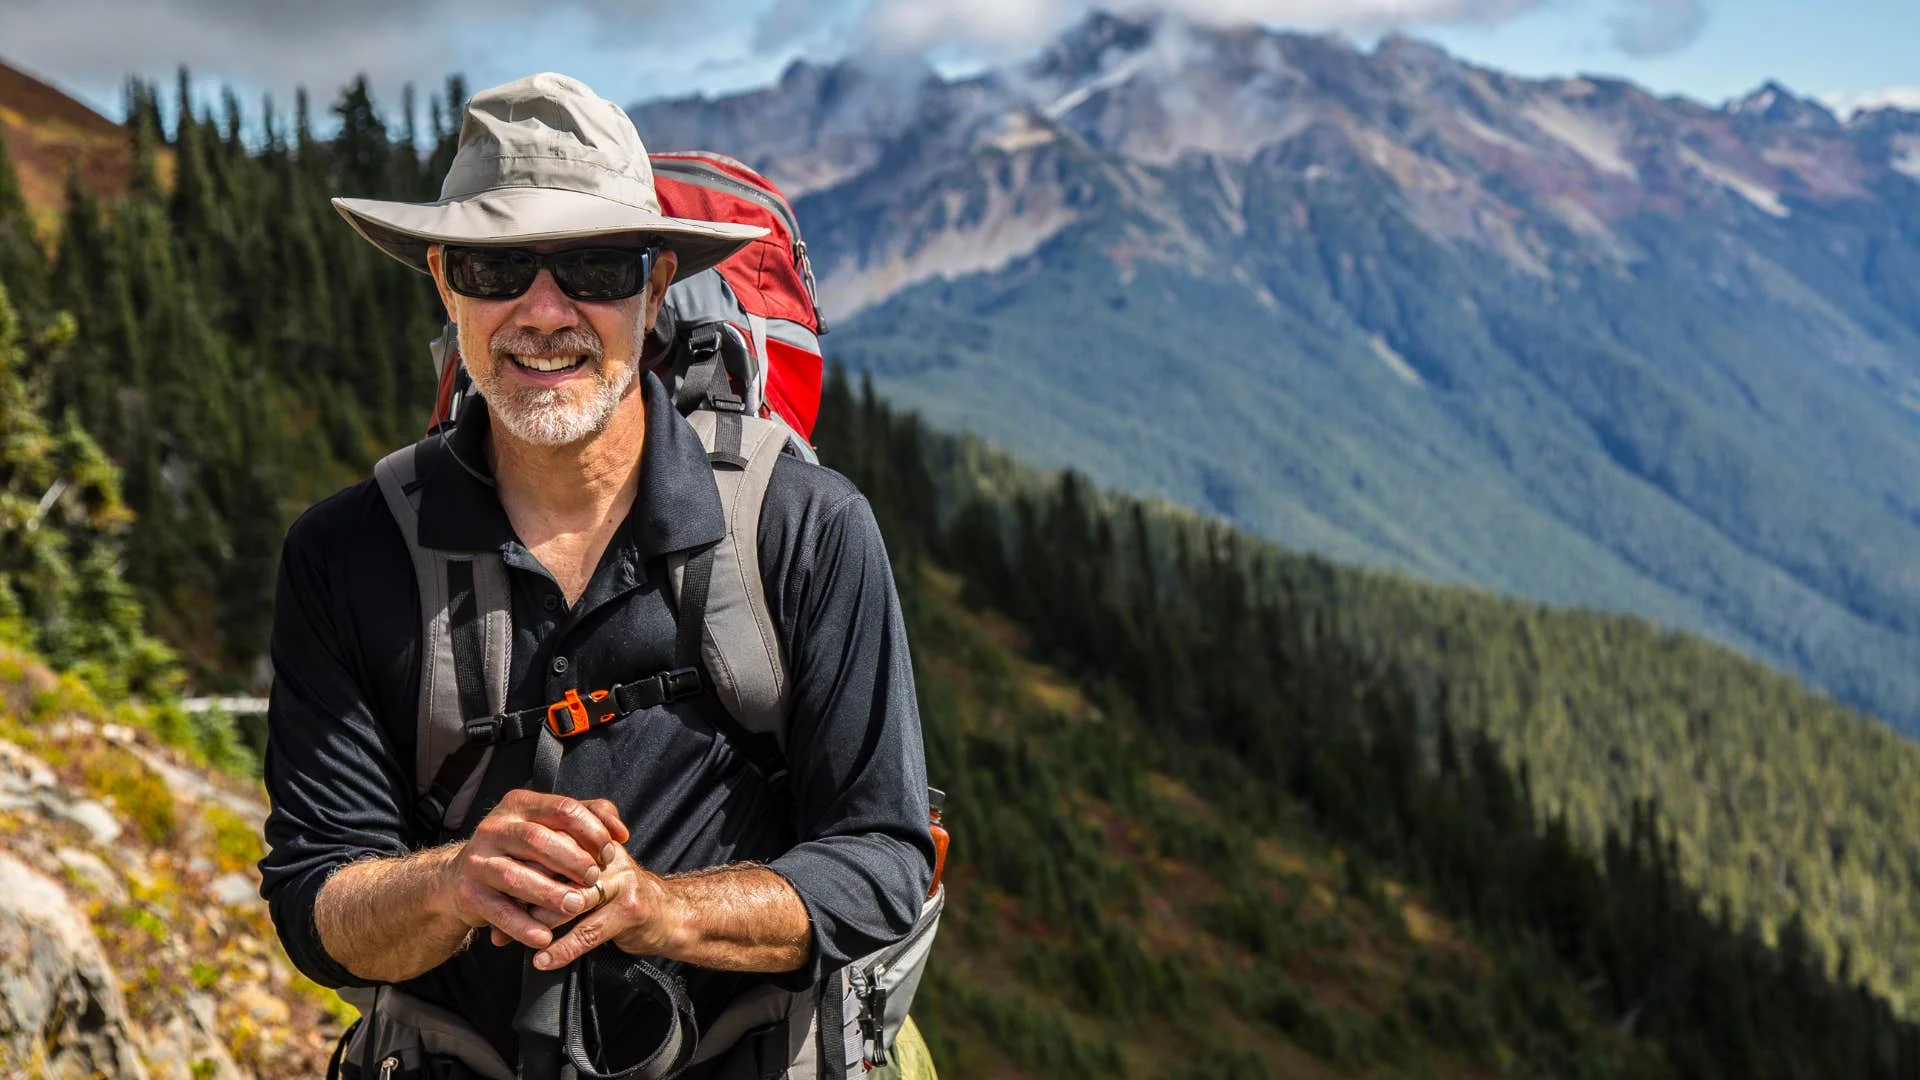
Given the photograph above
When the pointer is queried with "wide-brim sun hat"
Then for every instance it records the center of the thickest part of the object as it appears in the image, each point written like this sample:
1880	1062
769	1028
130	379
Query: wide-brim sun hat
539	159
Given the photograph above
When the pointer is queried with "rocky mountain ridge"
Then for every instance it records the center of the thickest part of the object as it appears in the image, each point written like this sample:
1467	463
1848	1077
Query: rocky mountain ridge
1561	338
1476	152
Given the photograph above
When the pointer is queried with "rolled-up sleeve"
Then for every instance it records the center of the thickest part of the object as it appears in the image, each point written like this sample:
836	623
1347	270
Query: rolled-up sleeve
864	860
338	790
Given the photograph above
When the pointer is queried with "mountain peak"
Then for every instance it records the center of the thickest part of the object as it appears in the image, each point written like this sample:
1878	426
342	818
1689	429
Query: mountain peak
1083	50
1774	103
1402	49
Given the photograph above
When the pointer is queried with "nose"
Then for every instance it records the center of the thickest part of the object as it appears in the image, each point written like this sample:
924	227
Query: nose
544	308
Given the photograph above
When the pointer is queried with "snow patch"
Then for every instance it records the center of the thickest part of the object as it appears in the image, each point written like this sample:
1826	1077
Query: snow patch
1753	191
1600	143
1078	96
1906	156
1847	106
1394	361
1000	236
1489	134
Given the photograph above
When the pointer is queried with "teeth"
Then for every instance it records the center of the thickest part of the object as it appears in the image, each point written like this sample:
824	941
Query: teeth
547	363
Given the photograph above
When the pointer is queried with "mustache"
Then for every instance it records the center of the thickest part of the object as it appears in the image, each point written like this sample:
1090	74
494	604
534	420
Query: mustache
572	341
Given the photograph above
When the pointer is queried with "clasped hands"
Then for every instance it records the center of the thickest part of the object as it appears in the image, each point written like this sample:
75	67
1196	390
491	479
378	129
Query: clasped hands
532	865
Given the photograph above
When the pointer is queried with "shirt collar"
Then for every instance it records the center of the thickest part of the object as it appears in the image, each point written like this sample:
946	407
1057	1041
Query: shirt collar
677	508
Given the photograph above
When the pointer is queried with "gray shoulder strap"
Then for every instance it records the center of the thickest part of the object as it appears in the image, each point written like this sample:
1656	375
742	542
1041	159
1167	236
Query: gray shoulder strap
741	645
466	637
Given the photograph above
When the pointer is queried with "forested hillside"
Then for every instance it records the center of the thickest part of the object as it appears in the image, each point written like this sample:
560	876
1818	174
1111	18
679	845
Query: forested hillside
1782	802
238	351
1143	843
1220	809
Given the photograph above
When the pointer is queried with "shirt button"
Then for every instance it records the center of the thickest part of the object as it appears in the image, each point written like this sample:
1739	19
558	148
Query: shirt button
559	665
551	602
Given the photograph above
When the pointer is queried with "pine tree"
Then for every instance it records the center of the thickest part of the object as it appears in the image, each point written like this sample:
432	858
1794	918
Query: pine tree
61	517
23	266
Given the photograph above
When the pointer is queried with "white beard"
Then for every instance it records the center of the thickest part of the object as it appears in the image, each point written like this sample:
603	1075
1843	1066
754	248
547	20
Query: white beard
560	416
556	417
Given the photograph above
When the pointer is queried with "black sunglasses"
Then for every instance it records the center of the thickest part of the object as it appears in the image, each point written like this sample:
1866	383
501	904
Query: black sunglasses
502	273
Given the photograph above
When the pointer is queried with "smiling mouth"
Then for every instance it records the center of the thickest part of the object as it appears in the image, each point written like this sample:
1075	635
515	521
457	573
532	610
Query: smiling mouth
548	365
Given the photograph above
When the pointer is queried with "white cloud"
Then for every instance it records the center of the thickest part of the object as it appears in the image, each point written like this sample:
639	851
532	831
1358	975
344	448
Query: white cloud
1898	97
91	46
633	48
1012	25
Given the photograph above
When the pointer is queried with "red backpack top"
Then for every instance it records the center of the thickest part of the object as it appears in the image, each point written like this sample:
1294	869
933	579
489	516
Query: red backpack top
771	281
755	316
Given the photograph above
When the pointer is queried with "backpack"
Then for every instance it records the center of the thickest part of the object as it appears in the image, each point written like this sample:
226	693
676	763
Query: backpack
738	347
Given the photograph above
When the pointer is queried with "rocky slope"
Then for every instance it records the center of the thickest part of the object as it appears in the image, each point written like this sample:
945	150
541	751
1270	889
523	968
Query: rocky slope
1562	338
133	941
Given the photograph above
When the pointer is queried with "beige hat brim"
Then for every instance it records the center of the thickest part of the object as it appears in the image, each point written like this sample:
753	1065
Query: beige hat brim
525	215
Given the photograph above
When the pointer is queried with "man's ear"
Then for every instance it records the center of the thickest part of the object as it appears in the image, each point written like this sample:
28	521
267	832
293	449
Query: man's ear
436	265
664	267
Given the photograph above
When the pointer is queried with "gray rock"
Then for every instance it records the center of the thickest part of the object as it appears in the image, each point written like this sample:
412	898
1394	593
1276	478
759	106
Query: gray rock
59	1001
182	1044
88	814
235	890
94	873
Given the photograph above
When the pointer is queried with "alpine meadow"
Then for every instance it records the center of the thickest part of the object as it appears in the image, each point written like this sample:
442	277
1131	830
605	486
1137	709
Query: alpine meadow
1410	570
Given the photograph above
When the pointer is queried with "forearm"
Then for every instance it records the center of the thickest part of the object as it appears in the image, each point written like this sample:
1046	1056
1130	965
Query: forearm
389	920
737	918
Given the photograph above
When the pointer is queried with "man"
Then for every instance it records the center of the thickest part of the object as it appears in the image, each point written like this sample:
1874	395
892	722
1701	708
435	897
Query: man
550	254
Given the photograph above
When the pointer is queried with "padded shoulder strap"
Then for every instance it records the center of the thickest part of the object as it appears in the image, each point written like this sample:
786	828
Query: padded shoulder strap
466	636
741	645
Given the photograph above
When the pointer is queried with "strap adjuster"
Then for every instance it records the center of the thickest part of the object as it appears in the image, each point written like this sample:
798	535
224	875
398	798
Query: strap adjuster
681	683
484	730
569	716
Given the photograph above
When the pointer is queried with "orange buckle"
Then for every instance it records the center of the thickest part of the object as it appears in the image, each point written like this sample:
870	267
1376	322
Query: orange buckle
568	716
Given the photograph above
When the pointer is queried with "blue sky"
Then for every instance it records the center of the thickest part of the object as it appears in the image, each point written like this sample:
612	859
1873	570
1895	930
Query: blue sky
633	49
1848	47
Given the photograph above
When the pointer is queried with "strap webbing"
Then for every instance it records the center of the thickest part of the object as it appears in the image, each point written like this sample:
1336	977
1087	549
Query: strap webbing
676	1047
542	993
467	630
692	617
831	1032
703	372
469	655
729	439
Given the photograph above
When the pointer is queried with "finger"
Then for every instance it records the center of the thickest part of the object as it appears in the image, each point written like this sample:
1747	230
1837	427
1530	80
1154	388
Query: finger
529	886
609	816
570	816
550	918
512	921
532	842
596	896
586	935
